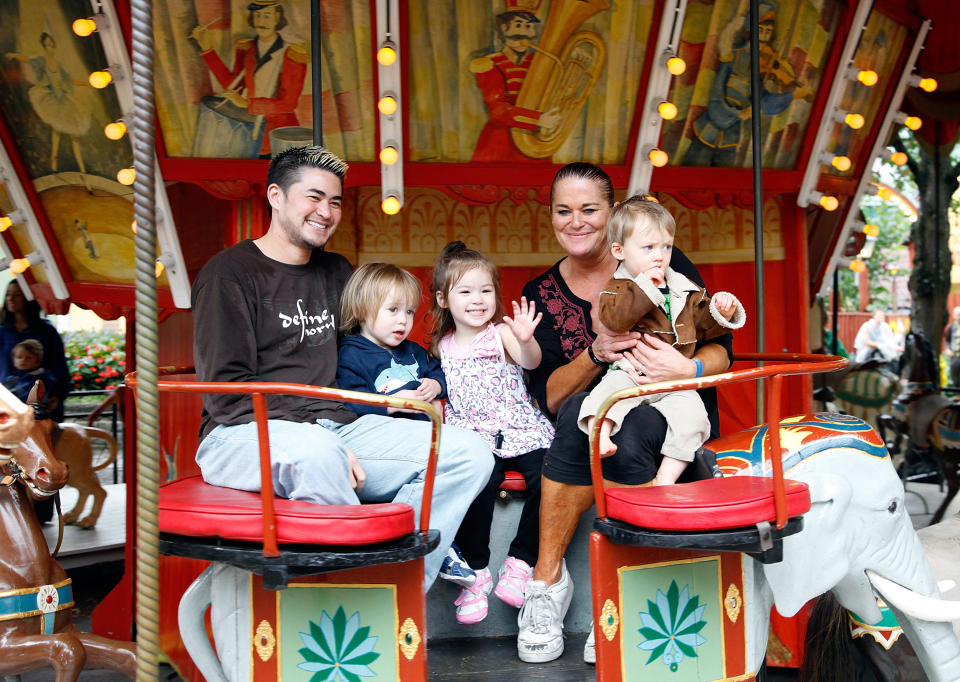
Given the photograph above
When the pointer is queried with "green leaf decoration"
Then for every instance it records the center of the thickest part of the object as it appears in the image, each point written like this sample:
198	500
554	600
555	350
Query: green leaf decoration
337	649
672	625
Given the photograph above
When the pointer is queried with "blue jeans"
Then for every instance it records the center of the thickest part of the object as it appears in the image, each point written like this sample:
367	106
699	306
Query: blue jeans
309	463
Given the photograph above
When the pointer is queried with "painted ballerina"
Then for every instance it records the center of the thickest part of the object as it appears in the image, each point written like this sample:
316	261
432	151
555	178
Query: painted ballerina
55	99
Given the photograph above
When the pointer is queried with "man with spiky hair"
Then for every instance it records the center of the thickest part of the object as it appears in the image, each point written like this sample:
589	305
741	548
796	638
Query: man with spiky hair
265	310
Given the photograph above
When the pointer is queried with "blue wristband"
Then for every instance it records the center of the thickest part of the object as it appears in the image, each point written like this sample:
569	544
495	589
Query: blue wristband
699	365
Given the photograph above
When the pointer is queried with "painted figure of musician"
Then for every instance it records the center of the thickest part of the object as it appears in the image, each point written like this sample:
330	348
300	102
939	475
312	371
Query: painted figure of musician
717	131
499	76
267	74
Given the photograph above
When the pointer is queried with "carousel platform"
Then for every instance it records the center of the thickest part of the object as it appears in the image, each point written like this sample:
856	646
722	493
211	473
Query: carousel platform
104	542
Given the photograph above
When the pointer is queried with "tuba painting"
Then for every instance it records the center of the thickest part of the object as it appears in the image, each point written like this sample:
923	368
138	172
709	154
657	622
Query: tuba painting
562	74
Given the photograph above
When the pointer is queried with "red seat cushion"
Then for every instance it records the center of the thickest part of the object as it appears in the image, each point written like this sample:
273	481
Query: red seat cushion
513	480
191	507
712	504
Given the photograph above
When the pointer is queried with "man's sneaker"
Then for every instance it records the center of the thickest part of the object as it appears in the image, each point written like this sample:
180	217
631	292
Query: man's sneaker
590	648
456	569
472	602
512	580
541	619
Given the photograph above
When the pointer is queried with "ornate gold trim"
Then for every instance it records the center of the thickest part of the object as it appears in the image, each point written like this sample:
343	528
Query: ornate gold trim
409	639
732	603
264	641
609	620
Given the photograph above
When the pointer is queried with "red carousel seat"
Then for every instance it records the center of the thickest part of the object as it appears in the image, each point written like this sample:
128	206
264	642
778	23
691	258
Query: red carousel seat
707	505
191	507
513	481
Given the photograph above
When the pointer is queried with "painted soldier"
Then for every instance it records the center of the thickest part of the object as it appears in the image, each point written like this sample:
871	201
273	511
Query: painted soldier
499	76
272	70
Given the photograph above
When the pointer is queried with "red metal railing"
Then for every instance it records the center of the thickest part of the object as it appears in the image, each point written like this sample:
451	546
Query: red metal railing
259	390
788	364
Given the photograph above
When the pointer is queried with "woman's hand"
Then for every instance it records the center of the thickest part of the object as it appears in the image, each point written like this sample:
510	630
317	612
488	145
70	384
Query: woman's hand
656	360
610	346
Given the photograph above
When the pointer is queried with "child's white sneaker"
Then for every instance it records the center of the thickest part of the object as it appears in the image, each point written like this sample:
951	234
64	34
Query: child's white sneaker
512	581
472	602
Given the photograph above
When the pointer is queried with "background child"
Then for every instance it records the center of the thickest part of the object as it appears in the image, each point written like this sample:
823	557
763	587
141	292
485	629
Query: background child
377	309
27	359
483	361
647	296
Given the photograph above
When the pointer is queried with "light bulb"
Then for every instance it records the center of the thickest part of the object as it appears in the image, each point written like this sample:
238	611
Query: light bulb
829	203
5	223
885	193
928	84
868	77
871	230
19	265
387	54
855	121
390	205
100	79
84	27
387	105
126	176
667	110
898	158
676	65
115	130
658	157
389	156
841	163
133	226
158	269
858	265
913	122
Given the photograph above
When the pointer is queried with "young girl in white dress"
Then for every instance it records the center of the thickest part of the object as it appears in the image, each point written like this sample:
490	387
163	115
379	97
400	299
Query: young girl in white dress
483	354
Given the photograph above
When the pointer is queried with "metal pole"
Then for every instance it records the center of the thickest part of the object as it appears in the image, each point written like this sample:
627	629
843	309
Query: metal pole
757	186
834	310
316	64
144	193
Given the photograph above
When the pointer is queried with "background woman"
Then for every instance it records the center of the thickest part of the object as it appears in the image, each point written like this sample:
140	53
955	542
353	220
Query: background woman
19	321
576	350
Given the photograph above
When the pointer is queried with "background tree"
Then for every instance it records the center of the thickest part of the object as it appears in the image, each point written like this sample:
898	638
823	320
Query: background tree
934	169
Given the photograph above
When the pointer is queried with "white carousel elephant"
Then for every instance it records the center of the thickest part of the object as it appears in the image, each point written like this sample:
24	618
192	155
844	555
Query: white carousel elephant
857	541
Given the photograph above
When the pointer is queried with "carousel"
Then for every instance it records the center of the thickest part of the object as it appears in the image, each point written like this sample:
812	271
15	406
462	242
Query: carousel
135	139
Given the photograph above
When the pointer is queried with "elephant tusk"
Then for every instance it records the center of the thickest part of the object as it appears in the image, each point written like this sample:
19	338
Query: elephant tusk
914	604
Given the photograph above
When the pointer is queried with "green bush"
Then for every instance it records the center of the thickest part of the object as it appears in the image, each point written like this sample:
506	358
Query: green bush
95	359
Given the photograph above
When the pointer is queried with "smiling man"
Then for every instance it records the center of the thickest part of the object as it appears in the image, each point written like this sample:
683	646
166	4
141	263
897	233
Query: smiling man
265	310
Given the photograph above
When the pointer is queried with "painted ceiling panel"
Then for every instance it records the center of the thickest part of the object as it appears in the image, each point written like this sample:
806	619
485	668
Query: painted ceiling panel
713	95
552	81
233	82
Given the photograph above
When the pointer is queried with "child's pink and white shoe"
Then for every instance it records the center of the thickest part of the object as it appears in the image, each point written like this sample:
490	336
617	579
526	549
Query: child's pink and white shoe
472	602
512	581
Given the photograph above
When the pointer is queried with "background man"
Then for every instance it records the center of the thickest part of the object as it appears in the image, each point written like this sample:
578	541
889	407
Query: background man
951	347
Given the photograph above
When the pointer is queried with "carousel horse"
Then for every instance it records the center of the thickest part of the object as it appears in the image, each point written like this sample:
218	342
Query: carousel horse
36	628
926	417
864	391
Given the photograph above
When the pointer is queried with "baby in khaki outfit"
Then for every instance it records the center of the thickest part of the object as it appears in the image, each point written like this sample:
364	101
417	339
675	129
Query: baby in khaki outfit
647	296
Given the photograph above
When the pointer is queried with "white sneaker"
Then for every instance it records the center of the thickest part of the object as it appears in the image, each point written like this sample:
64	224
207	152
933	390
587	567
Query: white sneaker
541	619
590	648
